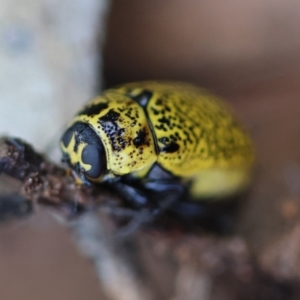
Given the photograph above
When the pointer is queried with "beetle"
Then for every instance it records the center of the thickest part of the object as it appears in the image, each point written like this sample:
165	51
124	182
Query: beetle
160	143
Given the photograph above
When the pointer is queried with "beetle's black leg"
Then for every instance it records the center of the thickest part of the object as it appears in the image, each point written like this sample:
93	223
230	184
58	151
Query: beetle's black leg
150	194
173	197
145	201
166	191
132	192
139	219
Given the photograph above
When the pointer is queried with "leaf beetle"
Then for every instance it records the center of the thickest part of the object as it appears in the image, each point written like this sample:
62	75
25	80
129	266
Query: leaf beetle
159	143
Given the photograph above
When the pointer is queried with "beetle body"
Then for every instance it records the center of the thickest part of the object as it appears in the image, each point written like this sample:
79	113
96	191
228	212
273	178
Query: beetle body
164	133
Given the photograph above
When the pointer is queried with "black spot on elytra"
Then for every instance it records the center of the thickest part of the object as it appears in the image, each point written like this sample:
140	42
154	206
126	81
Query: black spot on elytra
164	120
178	136
93	109
121	109
158	102
128	114
140	139
167	108
133	123
155	111
170	148
161	127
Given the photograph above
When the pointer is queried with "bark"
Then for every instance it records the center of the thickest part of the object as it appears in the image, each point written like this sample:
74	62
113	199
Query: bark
151	263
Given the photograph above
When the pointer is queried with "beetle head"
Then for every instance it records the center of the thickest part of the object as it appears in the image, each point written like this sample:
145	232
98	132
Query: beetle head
83	151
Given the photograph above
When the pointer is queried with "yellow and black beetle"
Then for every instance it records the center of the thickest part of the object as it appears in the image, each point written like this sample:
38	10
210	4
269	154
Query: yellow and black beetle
166	139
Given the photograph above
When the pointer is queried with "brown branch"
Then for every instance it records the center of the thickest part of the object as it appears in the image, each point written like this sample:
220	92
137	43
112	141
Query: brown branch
44	182
152	264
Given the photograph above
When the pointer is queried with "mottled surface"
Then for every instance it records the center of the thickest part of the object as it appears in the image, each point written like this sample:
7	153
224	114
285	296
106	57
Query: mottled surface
194	129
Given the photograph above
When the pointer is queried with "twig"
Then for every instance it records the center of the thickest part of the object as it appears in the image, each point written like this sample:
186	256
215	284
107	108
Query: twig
152	264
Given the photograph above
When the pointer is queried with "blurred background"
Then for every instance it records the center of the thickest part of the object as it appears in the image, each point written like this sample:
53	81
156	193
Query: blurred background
55	55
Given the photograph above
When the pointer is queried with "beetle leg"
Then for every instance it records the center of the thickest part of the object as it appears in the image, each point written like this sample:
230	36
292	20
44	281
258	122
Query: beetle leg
132	193
151	194
166	191
146	200
138	218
